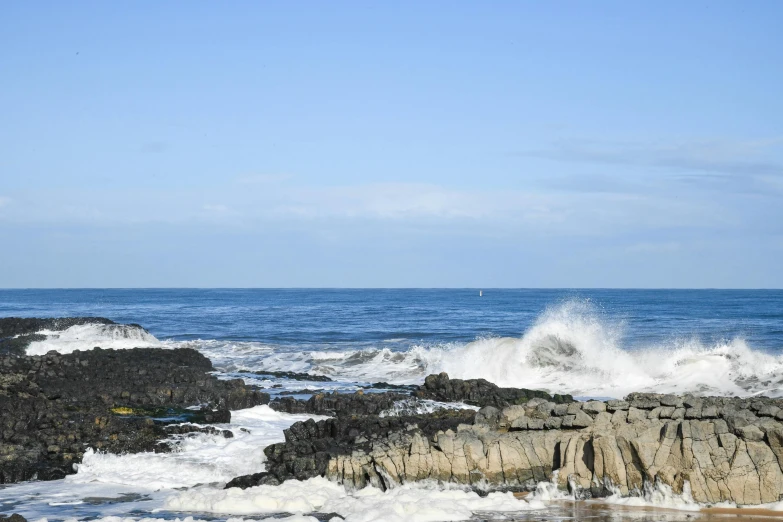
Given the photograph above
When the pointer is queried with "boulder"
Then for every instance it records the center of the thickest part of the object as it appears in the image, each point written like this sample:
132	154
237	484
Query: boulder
480	392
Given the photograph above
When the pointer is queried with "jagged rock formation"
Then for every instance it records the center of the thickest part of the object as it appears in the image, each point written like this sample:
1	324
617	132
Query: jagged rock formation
339	404
726	449
138	378
53	407
479	392
293	376
13	518
310	446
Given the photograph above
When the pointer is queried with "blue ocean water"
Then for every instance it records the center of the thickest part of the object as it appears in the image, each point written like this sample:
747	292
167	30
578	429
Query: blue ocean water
588	342
321	316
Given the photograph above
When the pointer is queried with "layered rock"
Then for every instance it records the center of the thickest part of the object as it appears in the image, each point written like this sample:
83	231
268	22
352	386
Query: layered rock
726	449
364	419
53	407
310	446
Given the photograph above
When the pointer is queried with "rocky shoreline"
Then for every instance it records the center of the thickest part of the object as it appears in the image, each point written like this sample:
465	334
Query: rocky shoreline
54	407
715	449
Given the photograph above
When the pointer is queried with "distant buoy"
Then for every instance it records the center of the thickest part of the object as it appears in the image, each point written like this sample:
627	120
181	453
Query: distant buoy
481	293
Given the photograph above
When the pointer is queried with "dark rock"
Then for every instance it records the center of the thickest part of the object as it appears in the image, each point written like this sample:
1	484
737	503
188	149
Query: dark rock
12	326
387	386
13	518
309	445
339	404
480	392
186	429
119	401
294	376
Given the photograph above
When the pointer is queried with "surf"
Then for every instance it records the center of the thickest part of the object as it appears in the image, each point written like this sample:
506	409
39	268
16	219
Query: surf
88	336
572	347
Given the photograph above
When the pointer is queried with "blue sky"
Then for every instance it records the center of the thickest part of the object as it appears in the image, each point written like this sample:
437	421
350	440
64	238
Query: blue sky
369	144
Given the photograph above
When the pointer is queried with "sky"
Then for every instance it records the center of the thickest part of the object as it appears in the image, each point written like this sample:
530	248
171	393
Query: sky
391	144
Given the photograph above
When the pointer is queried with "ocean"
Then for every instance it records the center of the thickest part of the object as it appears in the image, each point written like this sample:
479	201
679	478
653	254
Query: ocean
597	343
590	343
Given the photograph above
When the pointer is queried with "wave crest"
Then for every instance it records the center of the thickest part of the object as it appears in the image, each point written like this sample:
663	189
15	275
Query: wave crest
571	348
88	336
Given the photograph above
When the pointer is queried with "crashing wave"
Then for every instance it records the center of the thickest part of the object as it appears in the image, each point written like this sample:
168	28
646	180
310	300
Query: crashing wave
88	336
570	349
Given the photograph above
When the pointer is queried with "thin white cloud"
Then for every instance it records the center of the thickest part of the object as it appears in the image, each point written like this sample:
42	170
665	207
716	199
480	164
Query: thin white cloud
724	157
262	179
4	201
384	201
418	207
535	211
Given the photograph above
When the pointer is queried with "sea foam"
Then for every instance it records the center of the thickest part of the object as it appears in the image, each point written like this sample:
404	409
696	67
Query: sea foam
408	503
88	336
197	458
570	348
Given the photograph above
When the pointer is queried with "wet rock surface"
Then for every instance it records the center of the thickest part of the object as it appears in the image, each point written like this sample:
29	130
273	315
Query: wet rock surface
311	446
339	404
363	420
53	407
725	449
293	376
479	392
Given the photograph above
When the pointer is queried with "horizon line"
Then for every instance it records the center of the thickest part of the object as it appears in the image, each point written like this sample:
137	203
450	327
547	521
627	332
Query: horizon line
67	288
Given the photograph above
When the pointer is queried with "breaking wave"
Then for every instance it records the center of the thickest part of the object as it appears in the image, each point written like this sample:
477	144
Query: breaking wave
88	336
570	349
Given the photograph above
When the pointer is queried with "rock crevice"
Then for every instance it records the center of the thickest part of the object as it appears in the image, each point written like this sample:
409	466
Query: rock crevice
726	449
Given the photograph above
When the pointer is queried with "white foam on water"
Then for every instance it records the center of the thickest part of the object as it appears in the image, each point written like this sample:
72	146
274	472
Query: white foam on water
657	496
413	503
548	491
571	348
292	496
421	407
88	336
198	458
149	477
292	518
58	499
408	503
230	356
291	385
